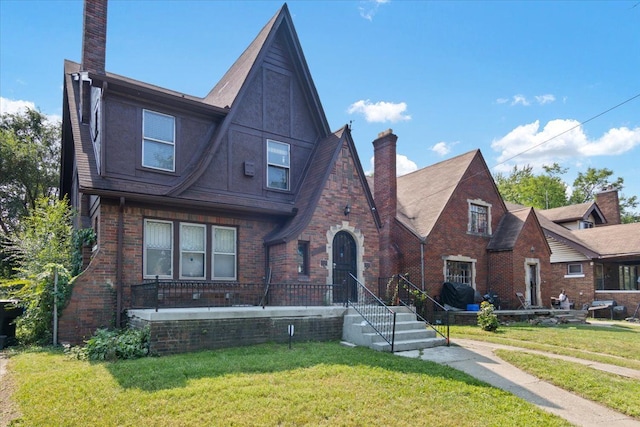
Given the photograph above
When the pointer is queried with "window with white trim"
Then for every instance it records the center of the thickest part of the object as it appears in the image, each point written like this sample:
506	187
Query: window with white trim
574	269
223	253
586	224
158	141
278	165
479	217
158	249
192	250
459	272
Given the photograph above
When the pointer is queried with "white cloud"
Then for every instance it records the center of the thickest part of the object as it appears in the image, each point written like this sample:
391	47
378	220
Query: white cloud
403	166
380	112
558	141
520	99
11	106
368	8
545	99
443	148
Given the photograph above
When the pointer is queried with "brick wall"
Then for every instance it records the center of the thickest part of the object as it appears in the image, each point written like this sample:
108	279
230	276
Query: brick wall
609	204
450	237
94	39
580	290
342	188
182	336
386	197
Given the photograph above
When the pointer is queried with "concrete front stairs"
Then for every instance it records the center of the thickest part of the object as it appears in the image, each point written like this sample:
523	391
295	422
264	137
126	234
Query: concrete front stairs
410	334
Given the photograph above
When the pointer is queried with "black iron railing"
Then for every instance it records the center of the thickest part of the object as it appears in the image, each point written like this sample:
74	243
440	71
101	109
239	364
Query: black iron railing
435	315
187	294
374	311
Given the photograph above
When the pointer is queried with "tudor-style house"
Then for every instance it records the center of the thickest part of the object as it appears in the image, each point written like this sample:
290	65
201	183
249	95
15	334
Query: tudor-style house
246	185
448	223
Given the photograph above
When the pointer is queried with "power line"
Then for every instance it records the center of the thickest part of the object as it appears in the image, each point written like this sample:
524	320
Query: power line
566	131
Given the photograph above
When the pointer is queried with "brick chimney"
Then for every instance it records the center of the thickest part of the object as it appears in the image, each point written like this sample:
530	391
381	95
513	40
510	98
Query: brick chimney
609	204
94	36
385	194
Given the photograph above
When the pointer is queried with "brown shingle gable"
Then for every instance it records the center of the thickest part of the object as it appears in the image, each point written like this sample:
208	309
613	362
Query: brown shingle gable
612	241
224	93
511	224
580	211
423	194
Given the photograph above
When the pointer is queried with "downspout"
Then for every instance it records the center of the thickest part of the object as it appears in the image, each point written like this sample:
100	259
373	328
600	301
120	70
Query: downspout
119	266
423	241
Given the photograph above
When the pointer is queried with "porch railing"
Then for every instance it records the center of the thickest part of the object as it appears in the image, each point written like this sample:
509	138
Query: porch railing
427	309
375	312
157	294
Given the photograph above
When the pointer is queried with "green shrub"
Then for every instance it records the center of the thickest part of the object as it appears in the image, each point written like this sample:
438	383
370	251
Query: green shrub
114	345
487	319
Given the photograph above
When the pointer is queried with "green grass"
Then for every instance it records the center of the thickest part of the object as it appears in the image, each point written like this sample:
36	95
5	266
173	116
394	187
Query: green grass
616	392
311	384
617	345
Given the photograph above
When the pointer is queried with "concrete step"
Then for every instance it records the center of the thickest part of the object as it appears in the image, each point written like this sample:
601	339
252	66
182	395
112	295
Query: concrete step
406	345
410	334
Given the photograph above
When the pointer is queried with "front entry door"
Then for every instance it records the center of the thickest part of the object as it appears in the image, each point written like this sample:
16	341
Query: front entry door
344	263
533	284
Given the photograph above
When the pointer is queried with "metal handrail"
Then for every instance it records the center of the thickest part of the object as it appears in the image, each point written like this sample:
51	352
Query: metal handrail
375	312
440	324
159	293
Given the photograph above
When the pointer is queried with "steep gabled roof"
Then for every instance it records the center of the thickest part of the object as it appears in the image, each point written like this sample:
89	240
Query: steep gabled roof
581	211
508	231
322	162
423	194
227	91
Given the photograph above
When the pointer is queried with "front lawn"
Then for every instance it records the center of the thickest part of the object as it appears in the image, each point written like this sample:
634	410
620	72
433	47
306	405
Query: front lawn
616	345
311	384
614	391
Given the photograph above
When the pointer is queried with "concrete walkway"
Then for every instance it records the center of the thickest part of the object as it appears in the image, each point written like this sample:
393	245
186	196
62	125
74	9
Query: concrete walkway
478	359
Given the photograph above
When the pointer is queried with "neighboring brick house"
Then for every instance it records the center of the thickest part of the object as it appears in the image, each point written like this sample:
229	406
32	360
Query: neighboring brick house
448	223
243	185
593	258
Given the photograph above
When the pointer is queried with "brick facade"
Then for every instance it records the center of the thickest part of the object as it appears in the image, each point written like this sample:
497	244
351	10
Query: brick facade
172	337
609	204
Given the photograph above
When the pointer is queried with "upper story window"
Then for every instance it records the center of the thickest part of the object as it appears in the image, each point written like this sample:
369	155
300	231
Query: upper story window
278	164
479	218
586	224
158	141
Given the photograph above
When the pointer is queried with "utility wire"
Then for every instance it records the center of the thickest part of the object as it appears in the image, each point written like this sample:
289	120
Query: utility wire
568	130
541	143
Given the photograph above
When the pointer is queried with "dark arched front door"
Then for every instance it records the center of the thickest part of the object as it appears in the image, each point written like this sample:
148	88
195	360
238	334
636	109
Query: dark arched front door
344	263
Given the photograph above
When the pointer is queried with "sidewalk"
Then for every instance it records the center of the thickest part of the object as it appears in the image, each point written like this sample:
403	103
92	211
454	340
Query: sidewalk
477	359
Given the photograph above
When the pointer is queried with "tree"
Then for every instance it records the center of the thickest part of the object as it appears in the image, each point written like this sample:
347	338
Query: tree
588	184
543	191
29	168
43	243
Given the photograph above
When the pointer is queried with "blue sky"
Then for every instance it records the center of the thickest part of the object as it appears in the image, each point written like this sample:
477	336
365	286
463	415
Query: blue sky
447	77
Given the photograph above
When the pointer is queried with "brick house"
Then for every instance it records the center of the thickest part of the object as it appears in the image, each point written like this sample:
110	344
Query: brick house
246	185
448	223
594	257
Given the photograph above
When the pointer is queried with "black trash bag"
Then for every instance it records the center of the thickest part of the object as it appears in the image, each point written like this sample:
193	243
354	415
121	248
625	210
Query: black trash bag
457	295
